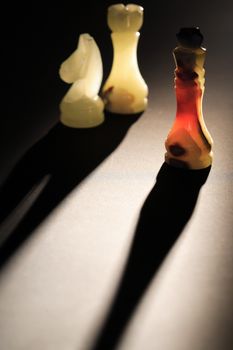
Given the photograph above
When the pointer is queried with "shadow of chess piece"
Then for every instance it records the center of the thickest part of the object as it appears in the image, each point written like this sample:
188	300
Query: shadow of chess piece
49	171
163	216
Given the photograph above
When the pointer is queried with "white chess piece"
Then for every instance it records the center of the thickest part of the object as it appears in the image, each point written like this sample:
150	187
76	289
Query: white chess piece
81	107
125	90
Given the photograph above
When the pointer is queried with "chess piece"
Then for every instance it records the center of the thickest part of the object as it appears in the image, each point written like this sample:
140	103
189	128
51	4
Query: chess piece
125	91
81	107
189	143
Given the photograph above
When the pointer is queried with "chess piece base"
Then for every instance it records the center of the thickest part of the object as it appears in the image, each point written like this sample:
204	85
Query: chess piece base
83	113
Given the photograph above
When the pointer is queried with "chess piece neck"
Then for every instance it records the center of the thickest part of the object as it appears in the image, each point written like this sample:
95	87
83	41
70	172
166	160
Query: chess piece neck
189	81
125	51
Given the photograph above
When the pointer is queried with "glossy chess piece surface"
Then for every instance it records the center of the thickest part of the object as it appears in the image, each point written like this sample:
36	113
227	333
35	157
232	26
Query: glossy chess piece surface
125	91
189	144
81	107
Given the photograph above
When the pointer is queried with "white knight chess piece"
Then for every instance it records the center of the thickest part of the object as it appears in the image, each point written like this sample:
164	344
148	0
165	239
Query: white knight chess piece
81	107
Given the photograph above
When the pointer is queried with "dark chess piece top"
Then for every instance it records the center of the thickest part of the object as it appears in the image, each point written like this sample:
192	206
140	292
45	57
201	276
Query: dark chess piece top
190	37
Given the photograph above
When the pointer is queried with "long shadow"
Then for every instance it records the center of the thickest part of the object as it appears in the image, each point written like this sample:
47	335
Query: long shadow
66	156
164	214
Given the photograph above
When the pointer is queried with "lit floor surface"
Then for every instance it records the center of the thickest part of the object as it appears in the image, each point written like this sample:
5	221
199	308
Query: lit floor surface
58	287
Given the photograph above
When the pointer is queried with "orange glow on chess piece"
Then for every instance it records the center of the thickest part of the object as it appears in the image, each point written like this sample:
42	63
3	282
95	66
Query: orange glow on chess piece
189	144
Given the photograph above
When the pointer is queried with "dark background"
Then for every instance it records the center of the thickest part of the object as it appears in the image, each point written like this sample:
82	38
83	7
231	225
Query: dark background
36	39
